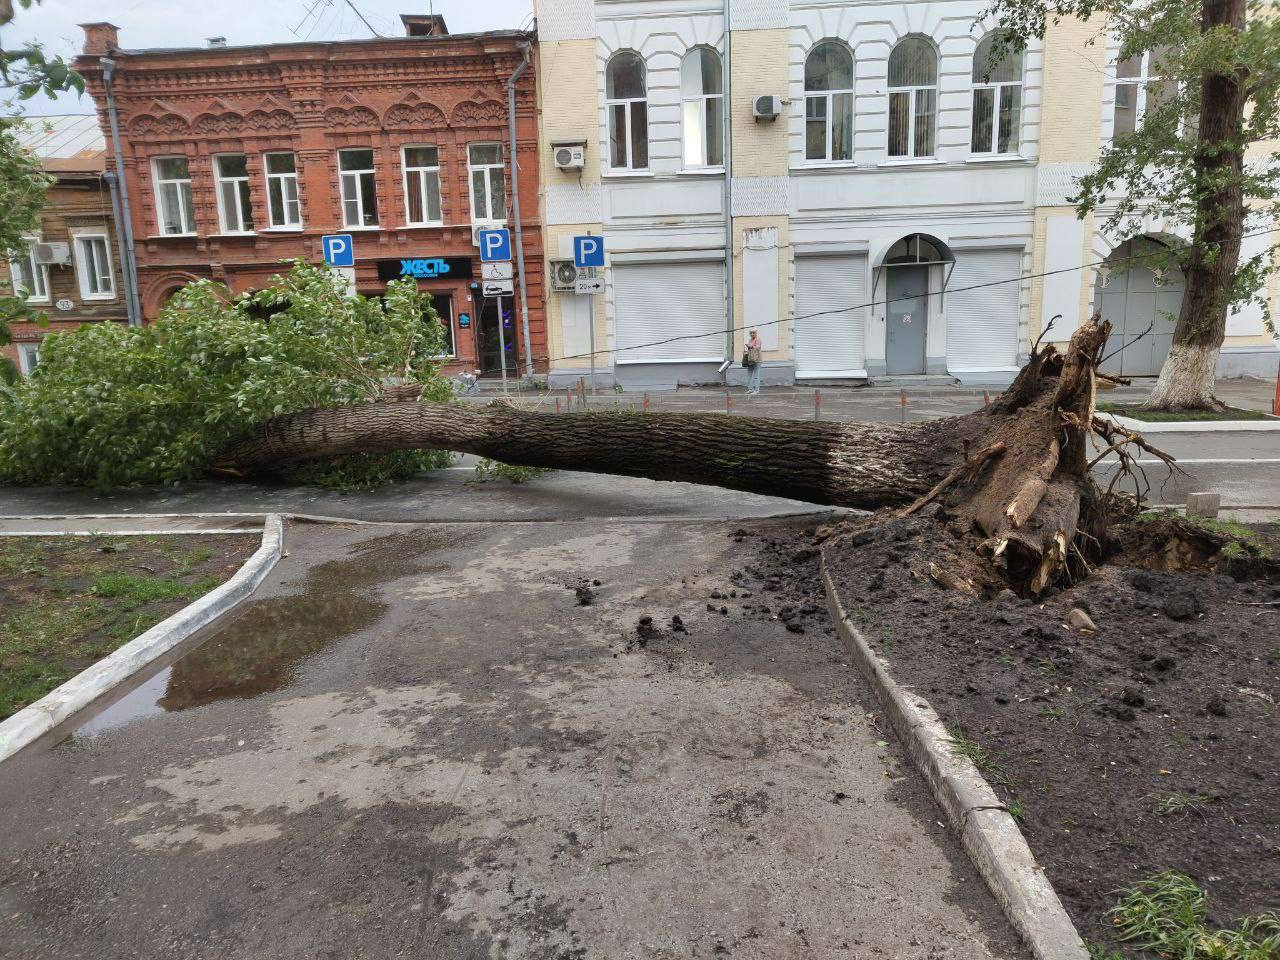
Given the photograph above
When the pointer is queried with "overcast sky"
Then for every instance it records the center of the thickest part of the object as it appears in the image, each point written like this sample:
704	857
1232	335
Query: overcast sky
180	23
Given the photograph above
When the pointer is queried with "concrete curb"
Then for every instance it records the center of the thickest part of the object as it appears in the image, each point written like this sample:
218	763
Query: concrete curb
988	833
55	708
1193	426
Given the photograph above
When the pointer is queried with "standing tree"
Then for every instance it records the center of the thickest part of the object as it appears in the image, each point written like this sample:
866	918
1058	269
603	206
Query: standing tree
1218	69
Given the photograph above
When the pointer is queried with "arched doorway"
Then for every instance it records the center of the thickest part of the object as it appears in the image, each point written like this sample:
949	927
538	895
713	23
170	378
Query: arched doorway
1134	296
909	266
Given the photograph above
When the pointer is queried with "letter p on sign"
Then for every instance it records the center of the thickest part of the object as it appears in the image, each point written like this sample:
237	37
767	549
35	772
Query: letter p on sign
338	250
495	245
588	251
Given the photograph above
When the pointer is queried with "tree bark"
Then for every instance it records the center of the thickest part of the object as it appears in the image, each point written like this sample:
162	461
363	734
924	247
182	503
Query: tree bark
1187	377
1017	471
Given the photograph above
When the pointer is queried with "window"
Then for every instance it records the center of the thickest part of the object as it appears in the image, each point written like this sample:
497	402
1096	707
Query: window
28	358
176	213
30	278
422	184
359	189
913	98
624	88
442	303
488	195
997	99
93	266
702	100
828	102
235	212
283	209
1140	89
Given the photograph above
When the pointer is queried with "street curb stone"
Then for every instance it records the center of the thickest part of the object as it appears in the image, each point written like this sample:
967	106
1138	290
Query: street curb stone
989	835
1193	426
55	708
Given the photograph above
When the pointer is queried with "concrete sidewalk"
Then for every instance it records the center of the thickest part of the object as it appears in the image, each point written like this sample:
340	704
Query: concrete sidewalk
420	744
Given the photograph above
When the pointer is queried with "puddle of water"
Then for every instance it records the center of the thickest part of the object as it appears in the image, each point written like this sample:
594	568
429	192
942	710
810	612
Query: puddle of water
262	649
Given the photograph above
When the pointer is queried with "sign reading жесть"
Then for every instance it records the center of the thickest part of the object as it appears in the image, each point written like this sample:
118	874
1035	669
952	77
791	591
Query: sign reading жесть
426	268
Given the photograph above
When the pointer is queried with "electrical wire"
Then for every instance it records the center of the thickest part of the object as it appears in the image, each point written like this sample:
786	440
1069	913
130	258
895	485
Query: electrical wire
876	303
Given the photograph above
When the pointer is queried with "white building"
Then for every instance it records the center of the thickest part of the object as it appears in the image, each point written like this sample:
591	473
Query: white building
886	224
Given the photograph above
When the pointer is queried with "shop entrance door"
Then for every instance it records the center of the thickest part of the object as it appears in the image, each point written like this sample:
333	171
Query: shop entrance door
498	337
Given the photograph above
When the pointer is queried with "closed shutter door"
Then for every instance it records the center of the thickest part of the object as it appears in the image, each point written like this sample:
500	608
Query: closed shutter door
657	301
828	343
982	324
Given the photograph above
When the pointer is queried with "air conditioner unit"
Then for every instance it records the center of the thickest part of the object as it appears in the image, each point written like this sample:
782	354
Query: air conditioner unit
477	227
563	276
51	254
766	108
570	156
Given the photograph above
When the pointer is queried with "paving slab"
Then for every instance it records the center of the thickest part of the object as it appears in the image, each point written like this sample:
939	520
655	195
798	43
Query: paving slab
418	743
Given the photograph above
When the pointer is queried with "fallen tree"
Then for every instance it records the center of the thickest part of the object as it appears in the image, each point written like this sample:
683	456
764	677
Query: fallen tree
1019	471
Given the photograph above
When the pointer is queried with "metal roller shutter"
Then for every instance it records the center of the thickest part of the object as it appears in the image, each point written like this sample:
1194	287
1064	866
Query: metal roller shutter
657	301
832	344
982	325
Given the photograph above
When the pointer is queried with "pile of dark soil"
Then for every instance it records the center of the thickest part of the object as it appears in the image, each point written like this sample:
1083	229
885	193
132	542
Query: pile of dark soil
1144	744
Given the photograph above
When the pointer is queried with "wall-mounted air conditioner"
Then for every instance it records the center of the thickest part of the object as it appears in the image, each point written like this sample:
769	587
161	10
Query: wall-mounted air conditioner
52	254
569	156
766	108
564	275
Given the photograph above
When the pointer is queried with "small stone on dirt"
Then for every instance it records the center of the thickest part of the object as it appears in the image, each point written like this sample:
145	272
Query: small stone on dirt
1183	606
677	624
585	596
1132	698
1079	620
795	627
1216	707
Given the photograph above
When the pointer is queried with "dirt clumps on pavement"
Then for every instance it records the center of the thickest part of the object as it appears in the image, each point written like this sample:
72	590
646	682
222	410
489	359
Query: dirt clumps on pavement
1128	722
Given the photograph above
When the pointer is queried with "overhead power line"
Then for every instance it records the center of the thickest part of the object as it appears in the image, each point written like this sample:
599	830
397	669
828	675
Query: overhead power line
877	303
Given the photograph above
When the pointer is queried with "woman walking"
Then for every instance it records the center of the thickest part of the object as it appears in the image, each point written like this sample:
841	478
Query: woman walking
751	360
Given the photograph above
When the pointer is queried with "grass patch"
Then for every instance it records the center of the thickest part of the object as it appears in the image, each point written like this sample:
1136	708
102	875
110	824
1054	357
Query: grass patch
488	469
1165	915
66	602
971	750
1135	412
1179	804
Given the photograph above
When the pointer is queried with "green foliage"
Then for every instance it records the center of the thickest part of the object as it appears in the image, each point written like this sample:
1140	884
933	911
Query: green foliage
1178	804
111	405
367	471
1165	915
29	70
22	191
1137	412
488	469
1164	166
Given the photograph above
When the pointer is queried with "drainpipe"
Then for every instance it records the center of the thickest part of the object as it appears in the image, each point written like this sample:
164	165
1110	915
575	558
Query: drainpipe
124	217
728	183
515	206
113	184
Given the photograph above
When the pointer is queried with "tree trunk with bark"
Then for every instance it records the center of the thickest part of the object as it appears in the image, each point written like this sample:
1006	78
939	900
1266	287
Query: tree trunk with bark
1187	376
1017	471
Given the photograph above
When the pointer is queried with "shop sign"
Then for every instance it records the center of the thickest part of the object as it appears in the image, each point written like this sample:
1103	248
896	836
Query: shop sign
425	268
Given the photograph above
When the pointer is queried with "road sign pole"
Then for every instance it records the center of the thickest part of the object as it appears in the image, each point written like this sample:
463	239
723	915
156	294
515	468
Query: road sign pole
502	346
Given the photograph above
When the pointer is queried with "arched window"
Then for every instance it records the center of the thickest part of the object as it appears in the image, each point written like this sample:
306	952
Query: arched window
828	102
913	98
997	98
702	102
628	112
1140	88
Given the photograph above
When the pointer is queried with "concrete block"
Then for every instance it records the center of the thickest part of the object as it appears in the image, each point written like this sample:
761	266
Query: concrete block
1203	504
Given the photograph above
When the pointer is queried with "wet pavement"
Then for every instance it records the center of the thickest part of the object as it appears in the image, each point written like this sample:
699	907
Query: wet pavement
417	742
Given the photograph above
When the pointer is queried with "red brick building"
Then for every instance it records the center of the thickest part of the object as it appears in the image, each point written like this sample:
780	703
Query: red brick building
70	271
237	158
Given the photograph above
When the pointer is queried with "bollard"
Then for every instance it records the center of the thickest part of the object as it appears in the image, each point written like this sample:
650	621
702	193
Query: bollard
728	402
817	404
568	399
1203	504
557	404
646	401
902	399
986	399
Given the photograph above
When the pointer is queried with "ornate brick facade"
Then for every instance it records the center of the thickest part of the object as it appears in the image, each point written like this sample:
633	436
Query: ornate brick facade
314	99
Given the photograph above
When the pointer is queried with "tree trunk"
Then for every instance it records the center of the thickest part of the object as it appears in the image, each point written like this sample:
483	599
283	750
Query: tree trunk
1187	376
1017	471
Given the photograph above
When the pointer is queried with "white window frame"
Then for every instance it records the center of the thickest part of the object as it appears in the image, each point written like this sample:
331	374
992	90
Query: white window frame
25	352
39	272
999	90
420	179
913	108
185	210
700	103
627	103
83	272
829	96
1145	78
226	224
447	323
490	170
359	197
283	179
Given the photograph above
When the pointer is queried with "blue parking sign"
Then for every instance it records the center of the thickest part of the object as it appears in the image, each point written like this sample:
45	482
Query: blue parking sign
588	251
338	249
495	245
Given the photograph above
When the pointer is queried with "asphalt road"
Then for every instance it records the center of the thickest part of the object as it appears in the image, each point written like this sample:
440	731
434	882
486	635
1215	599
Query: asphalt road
416	743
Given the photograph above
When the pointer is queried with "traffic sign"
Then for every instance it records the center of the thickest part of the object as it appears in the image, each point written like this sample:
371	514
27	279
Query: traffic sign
495	244
588	285
498	270
497	288
588	251
338	249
